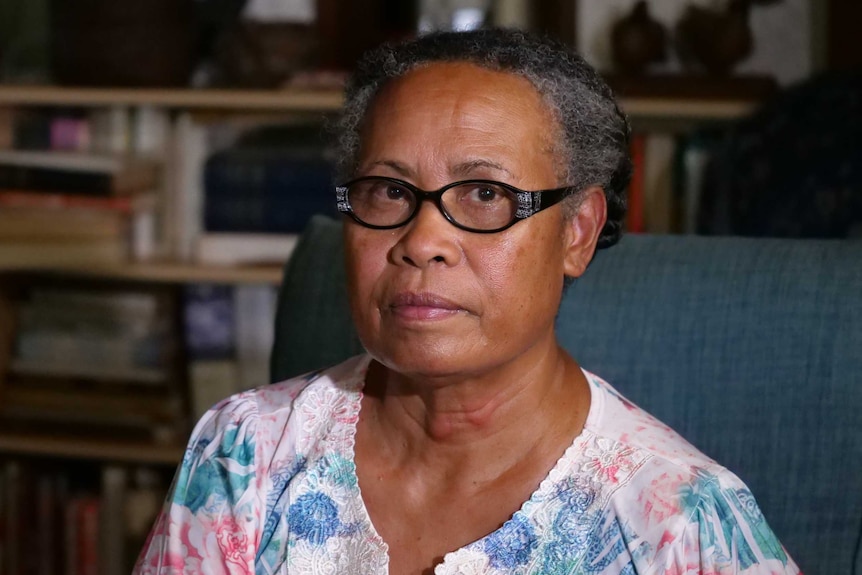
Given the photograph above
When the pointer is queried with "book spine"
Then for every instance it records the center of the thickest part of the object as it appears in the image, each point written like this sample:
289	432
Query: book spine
12	512
182	221
635	219
70	133
112	528
17	198
658	182
82	535
88	536
4	542
51	180
46	503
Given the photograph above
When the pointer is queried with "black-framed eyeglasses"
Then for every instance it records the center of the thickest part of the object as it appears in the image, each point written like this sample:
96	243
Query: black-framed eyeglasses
482	206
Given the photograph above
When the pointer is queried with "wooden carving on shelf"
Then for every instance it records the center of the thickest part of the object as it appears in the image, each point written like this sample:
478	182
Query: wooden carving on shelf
637	40
715	40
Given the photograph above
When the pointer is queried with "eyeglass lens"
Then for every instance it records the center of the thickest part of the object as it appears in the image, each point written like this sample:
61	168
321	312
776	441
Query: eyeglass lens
476	205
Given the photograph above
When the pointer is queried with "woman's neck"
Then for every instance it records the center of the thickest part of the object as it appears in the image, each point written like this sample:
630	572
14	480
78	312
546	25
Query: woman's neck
480	426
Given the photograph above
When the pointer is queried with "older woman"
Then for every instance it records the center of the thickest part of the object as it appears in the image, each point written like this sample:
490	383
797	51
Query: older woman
482	169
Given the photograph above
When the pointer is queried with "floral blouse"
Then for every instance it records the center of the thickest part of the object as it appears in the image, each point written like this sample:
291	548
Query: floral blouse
268	485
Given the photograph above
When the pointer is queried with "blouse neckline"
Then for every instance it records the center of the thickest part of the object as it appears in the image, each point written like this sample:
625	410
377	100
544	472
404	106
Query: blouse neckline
561	468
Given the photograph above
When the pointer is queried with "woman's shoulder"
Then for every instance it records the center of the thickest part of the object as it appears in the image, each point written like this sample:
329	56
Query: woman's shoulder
665	495
276	420
617	420
278	400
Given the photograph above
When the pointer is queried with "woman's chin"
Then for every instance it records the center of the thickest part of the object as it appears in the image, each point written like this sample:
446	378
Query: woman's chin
430	363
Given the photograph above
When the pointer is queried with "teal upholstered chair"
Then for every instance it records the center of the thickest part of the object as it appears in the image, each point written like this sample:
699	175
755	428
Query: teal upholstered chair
752	349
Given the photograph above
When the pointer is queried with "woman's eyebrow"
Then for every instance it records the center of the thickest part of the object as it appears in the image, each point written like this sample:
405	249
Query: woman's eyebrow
460	170
465	169
401	169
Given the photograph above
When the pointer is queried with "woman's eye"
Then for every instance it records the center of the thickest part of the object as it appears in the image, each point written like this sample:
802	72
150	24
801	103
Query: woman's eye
485	195
394	193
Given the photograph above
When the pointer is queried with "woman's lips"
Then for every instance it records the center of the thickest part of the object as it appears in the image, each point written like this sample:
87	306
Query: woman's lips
423	306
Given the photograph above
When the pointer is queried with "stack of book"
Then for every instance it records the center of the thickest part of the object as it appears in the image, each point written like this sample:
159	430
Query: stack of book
87	359
81	519
61	208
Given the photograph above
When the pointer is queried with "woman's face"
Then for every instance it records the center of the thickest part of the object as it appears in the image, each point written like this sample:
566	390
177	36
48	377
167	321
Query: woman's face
430	299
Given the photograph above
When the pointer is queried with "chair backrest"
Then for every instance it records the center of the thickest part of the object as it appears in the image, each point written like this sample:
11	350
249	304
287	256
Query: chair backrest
751	349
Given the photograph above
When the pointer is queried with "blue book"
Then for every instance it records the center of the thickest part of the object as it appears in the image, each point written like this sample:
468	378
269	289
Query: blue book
208	314
266	190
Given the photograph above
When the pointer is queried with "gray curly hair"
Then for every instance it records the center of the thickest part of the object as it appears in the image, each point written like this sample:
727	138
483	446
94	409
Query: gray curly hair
594	133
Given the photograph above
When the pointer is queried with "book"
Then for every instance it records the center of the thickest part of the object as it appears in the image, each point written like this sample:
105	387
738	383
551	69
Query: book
66	409
182	210
658	162
82	535
70	133
49	494
37	224
34	217
208	321
61	254
51	129
98	335
112	528
30	129
124	303
111	130
635	217
266	190
14	481
66	161
17	198
7	131
232	249
693	153
66	403
63	368
95	174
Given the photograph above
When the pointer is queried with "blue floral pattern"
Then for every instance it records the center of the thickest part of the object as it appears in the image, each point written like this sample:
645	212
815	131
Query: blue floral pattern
313	517
511	545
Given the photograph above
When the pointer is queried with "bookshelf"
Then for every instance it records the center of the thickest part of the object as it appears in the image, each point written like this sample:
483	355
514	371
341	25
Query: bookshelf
163	272
97	449
289	100
327	100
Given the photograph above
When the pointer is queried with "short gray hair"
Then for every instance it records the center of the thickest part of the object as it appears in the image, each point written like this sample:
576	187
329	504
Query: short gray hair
595	133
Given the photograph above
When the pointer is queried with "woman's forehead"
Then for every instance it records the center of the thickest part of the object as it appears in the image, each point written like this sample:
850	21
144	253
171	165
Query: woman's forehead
457	75
461	116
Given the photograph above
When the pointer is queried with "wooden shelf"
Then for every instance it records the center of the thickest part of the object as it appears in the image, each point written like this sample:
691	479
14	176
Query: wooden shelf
293	100
686	109
166	272
98	449
321	100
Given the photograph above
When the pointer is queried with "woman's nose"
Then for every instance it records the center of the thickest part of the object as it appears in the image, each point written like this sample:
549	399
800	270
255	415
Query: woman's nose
428	239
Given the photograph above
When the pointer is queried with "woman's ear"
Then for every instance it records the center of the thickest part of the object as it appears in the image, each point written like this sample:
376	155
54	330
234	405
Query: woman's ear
582	230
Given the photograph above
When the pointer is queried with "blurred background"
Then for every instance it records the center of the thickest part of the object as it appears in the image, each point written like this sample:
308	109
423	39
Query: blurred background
159	158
